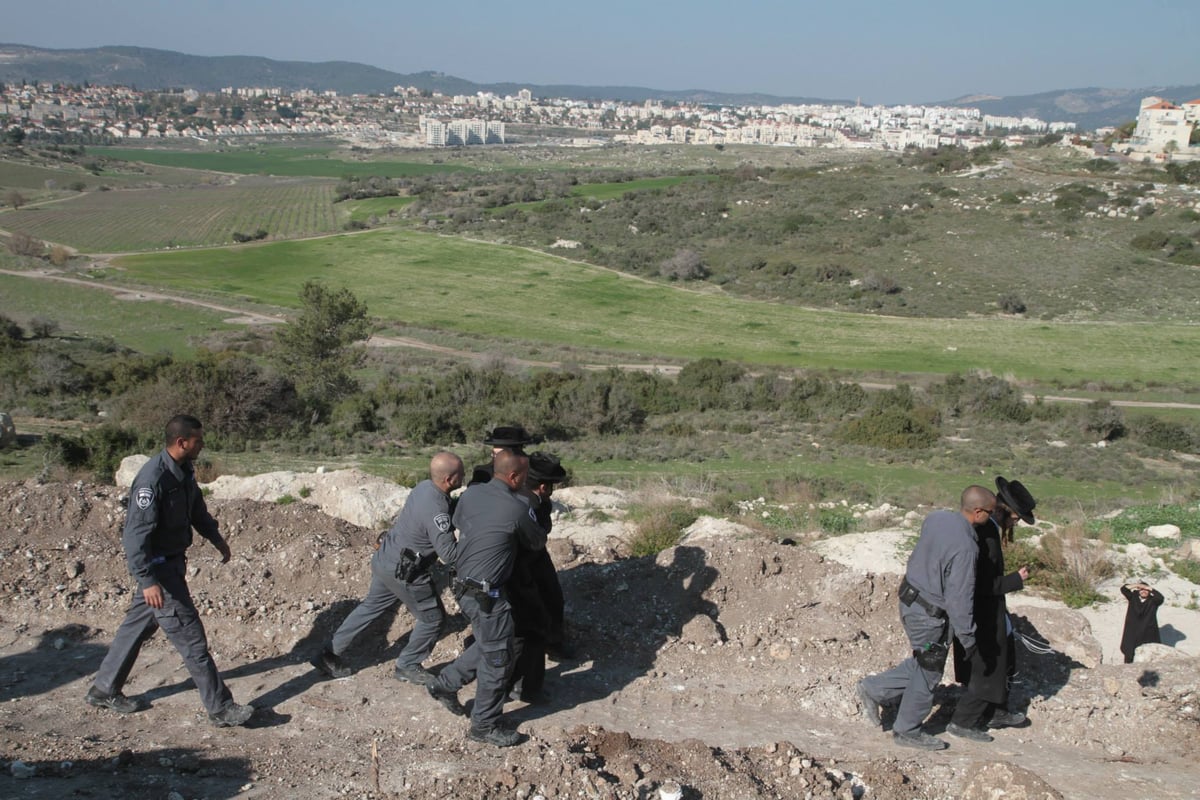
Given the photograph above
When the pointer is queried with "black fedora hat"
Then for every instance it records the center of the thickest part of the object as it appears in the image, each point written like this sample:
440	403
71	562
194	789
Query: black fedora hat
545	468
508	436
1017	497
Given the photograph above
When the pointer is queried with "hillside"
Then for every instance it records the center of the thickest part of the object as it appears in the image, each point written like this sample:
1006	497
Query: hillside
726	664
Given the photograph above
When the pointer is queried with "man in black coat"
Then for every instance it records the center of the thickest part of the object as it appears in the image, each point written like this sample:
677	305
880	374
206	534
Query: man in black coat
986	673
1141	618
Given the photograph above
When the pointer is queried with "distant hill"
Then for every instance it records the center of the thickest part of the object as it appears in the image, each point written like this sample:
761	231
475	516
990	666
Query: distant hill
147	68
1088	108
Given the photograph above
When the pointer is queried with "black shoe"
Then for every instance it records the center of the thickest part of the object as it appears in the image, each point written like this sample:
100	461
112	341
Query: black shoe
416	675
969	733
496	736
231	716
870	708
331	664
560	652
920	740
448	699
1007	719
115	701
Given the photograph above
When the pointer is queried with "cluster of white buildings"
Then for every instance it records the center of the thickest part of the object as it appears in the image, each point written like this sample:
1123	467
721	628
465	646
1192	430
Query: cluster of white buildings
1164	131
460	132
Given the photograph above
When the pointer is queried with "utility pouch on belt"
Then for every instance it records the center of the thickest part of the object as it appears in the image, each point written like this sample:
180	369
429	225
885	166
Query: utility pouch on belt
932	656
909	594
483	592
413	565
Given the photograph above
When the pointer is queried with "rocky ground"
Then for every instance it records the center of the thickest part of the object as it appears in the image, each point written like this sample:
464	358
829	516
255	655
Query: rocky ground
726	664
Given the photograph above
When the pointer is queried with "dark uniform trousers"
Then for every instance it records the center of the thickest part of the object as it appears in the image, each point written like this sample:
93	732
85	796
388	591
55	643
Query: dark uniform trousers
486	660
180	622
423	600
910	682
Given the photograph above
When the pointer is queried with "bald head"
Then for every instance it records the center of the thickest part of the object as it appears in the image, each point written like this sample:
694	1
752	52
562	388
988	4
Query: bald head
446	471
511	467
977	503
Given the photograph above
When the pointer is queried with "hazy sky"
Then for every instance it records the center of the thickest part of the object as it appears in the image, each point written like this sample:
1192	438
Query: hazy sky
876	50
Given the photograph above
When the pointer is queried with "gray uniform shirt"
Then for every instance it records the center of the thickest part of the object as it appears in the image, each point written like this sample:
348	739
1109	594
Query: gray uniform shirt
422	526
942	568
165	503
493	522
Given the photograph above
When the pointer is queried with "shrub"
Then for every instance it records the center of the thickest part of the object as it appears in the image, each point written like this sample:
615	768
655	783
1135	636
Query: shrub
837	520
891	429
1163	434
685	265
658	526
1074	566
43	327
22	244
1011	303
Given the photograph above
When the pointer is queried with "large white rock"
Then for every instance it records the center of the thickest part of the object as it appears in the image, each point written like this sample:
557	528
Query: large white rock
128	470
348	494
1163	532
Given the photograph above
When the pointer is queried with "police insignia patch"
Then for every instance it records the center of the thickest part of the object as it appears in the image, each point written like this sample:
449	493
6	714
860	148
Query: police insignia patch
144	497
443	522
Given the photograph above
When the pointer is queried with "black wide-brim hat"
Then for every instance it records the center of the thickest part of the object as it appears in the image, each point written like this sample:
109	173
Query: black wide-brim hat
1017	497
508	436
545	468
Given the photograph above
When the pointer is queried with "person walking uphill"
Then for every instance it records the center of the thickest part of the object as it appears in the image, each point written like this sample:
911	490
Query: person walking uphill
165	504
985	699
401	569
936	599
493	522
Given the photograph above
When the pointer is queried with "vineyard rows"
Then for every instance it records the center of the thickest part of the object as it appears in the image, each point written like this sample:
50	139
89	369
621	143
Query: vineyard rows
155	219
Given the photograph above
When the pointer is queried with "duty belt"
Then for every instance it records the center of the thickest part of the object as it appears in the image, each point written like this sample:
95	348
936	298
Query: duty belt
484	592
909	594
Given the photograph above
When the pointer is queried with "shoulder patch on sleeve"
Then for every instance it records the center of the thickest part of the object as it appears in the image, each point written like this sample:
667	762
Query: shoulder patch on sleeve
442	521
143	498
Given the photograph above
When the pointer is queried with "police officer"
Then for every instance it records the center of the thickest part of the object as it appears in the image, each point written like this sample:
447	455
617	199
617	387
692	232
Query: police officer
936	602
536	594
165	504
493	522
505	437
402	568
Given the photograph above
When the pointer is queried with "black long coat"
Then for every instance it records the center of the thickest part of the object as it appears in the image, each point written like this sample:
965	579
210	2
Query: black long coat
986	674
1141	621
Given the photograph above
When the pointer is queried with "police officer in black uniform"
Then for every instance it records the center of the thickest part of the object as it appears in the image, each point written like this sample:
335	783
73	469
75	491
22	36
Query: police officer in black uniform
403	569
165	504
493	523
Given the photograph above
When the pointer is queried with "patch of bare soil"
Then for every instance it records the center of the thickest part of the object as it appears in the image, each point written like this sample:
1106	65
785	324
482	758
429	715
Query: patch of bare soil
728	667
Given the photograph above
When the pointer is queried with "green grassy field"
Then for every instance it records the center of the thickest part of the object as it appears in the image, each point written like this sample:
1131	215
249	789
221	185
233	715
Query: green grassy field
363	210
148	219
437	282
321	162
609	191
148	327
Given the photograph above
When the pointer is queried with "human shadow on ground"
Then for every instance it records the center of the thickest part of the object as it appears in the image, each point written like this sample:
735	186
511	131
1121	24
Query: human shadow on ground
144	775
62	655
1170	635
619	615
1038	675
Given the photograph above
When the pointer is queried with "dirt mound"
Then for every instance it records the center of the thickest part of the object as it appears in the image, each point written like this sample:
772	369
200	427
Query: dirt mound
725	664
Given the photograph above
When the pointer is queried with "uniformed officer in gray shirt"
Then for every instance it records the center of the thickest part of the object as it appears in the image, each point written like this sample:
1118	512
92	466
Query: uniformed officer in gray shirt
401	569
165	504
493	522
936	602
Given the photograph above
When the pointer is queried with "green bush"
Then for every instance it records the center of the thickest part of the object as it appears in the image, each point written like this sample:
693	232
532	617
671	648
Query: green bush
658	526
1163	434
837	520
892	429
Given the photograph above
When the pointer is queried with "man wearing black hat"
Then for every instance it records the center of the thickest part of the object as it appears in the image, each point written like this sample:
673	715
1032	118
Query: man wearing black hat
537	596
504	437
986	673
